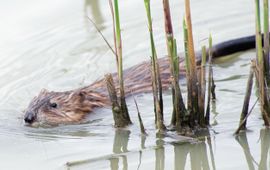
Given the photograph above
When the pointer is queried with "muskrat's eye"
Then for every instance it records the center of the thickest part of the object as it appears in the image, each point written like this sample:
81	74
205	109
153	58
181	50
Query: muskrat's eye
54	105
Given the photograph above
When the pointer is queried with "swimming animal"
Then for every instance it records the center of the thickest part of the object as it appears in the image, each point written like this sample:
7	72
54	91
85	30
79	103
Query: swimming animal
54	108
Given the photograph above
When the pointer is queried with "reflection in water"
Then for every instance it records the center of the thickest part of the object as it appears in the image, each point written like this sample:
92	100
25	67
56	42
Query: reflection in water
265	139
93	7
242	140
180	156
214	112
197	153
120	145
160	154
209	142
265	142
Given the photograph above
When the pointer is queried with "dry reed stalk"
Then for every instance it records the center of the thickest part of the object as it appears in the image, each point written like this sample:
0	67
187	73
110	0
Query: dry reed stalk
140	118
244	113
119	118
192	62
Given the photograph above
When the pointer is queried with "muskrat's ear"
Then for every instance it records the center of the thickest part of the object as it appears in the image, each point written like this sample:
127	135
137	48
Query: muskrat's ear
81	95
44	91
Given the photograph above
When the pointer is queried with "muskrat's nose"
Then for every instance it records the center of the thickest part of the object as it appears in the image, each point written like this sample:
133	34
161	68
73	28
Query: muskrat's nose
29	117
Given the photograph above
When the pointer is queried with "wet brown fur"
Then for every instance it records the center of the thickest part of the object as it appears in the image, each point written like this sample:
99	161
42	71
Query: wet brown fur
74	105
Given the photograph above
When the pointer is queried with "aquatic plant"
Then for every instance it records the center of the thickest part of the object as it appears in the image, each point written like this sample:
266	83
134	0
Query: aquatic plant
202	89
195	114
179	109
245	111
155	73
266	38
260	68
211	85
119	107
193	102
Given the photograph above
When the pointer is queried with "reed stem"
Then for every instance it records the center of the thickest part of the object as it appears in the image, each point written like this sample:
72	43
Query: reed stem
202	89
192	62
156	80
261	67
210	81
179	109
187	64
140	118
266	39
244	113
118	46
118	116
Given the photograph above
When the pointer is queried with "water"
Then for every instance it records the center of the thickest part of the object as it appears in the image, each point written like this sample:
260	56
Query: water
51	44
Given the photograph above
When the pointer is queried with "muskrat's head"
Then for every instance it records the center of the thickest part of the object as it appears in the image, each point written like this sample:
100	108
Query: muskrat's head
53	108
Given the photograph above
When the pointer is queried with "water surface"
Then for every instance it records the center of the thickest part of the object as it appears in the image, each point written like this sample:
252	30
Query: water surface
51	44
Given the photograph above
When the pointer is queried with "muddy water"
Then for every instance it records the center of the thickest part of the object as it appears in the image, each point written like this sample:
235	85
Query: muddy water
51	44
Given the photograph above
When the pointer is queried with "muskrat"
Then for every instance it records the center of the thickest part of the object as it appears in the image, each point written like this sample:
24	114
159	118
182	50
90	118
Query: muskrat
72	106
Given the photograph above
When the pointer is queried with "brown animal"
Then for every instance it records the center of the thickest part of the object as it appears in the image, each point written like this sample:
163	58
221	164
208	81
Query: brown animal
55	108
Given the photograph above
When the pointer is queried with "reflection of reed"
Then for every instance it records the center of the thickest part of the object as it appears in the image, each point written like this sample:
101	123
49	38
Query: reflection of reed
209	142
180	156
214	111
120	146
242	140
265	141
160	154
198	155
93	7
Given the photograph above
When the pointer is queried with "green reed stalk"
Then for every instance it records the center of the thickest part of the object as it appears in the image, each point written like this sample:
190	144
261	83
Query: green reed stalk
213	85
207	114
179	107
178	96
259	48
118	45
156	80
260	66
266	39
202	87
193	67
187	64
